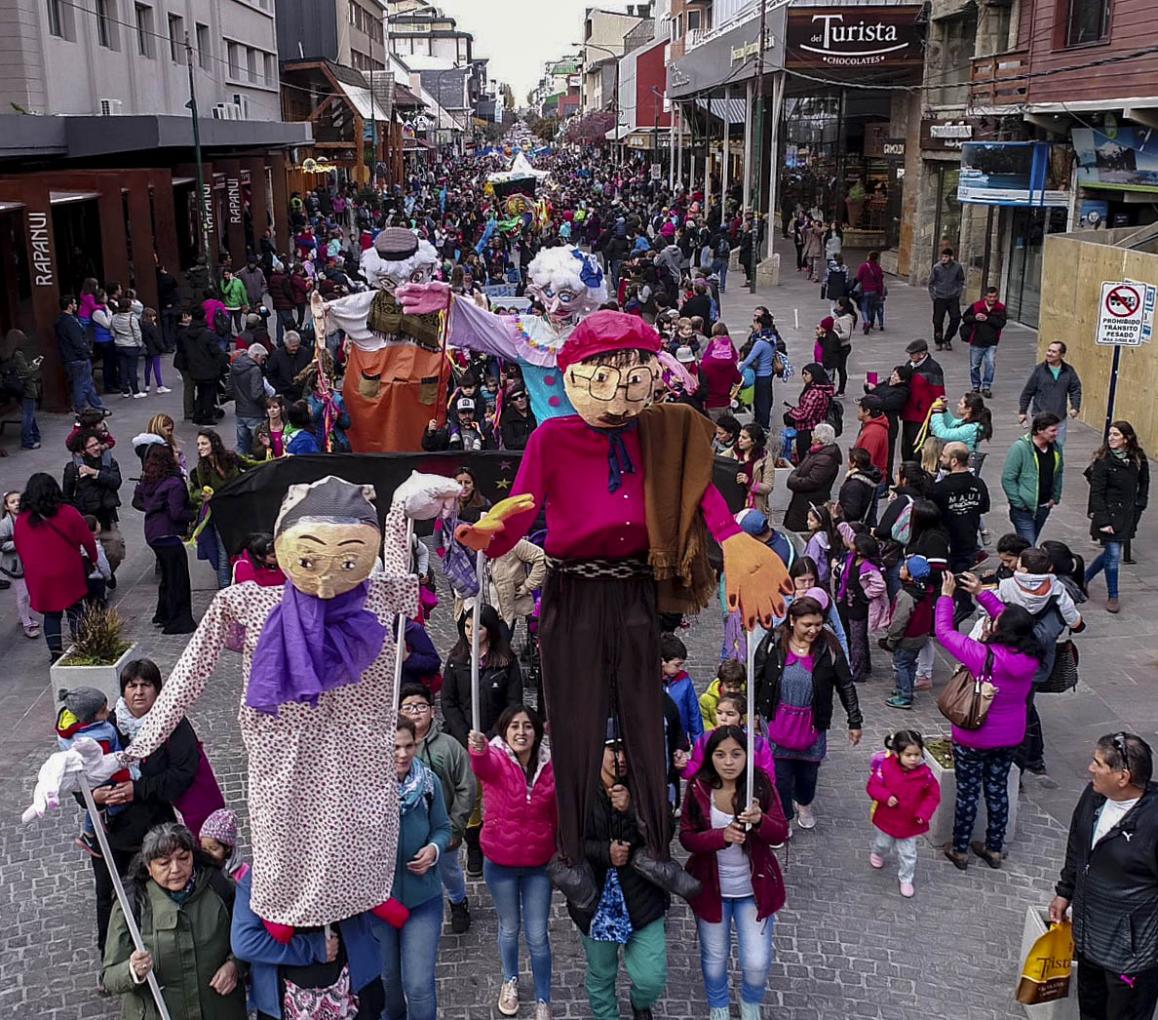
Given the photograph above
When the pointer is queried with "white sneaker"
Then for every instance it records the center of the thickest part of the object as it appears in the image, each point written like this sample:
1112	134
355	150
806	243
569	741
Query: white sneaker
719	1013
140	396
542	1011
164	389
509	997
804	817
125	396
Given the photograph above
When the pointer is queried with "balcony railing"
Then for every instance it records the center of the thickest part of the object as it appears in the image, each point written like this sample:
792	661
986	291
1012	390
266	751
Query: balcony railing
997	81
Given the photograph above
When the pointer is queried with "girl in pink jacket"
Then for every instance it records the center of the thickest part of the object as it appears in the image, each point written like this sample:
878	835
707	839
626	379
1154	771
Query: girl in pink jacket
518	839
861	596
905	793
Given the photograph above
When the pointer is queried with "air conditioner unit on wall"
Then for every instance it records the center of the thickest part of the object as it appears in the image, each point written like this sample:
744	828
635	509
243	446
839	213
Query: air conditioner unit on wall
227	111
111	107
242	104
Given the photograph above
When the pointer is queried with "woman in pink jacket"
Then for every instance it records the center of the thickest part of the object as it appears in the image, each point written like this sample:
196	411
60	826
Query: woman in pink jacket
518	784
1008	655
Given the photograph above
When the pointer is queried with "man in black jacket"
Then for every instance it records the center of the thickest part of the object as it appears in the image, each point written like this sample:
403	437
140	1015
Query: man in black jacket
204	362
286	363
76	354
1110	877
631	909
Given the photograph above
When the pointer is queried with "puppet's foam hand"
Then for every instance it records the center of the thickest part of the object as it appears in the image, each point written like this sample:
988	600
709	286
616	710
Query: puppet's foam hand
423	298
756	580
424	497
479	536
61	773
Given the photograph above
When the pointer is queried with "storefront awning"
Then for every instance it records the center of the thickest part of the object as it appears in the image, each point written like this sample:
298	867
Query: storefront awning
362	101
65	197
735	109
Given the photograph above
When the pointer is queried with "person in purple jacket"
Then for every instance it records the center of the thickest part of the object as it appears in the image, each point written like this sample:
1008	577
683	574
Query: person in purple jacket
673	654
162	495
1008	656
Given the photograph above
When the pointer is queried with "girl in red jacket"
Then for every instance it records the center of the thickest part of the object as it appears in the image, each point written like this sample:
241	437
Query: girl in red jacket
731	855
905	794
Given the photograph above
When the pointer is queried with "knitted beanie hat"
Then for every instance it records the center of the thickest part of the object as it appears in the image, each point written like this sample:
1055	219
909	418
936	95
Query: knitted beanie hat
221	826
83	702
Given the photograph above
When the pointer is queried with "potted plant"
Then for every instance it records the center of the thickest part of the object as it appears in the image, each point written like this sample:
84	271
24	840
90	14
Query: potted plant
96	656
939	757
854	204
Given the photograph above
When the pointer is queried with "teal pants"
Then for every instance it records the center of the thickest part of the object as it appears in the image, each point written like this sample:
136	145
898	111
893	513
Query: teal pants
644	956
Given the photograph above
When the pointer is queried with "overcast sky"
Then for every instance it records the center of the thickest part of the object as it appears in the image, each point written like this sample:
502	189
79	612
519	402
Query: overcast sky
519	36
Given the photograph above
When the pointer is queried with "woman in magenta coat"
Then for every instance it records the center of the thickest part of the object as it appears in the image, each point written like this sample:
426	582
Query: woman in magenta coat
518	783
49	536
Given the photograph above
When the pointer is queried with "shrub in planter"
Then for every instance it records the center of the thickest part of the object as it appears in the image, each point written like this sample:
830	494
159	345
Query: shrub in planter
96	656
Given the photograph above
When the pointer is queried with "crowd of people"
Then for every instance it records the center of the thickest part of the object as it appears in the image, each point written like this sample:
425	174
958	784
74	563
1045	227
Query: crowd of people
891	545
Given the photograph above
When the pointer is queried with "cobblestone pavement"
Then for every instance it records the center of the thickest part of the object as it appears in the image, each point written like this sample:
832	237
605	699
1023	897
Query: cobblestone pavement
847	945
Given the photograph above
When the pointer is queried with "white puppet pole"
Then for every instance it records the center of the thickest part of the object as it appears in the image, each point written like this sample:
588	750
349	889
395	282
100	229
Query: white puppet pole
480	569
750	683
400	636
118	886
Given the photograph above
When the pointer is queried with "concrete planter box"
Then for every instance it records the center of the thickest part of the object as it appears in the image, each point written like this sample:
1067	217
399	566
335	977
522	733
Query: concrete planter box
941	824
1036	925
103	678
768	272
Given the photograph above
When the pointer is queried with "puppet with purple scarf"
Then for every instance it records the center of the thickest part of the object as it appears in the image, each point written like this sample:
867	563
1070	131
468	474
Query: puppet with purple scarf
317	706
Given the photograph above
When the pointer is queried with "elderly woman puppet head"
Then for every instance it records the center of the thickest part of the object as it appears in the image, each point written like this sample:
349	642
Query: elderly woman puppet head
568	284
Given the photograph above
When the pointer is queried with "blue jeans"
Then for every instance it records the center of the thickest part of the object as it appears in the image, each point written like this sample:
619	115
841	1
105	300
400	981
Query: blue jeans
905	664
285	320
796	783
84	393
408	956
29	430
522	896
720	268
1108	560
982	362
1028	523
245	430
755	952
450	871
224	568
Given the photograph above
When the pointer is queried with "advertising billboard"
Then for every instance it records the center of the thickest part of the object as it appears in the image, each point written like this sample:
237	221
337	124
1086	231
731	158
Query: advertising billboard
1014	173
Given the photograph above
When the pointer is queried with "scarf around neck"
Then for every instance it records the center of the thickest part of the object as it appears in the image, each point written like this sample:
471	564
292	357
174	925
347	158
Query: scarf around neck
128	723
418	785
618	459
311	645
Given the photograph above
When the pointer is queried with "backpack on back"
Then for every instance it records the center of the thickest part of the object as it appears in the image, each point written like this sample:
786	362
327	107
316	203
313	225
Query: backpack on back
835	416
902	529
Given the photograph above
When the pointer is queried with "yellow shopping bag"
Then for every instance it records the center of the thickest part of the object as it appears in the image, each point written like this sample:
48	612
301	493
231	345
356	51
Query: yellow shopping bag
1045	975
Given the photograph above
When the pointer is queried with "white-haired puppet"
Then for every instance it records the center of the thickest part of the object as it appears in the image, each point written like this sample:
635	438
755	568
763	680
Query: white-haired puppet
397	376
568	283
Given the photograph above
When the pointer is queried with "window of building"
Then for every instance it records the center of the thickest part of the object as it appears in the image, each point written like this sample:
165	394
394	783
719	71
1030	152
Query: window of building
176	38
204	47
1088	22
251	64
270	69
106	31
693	21
55	19
233	59
144	16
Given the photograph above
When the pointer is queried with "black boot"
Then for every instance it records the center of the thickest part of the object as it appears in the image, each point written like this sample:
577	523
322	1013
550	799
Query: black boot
575	881
668	875
474	854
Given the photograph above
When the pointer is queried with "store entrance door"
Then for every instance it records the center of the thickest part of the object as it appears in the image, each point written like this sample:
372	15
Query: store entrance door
1030	226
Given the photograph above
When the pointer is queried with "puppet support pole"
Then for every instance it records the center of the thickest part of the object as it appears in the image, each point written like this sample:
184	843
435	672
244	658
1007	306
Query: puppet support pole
118	886
750	769
480	569
400	634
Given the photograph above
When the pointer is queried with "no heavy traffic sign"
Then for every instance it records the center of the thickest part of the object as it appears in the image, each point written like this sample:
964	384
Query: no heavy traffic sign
1122	315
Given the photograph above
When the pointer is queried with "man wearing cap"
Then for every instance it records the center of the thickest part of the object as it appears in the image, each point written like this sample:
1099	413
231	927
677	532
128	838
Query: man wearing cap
248	384
756	524
516	423
630	505
928	383
909	628
468	435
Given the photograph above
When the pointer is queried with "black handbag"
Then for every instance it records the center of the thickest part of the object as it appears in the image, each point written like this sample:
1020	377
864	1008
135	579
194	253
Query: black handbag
1064	675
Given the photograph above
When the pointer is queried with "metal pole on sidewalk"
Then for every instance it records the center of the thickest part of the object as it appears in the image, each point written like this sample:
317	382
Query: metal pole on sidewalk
758	144
202	199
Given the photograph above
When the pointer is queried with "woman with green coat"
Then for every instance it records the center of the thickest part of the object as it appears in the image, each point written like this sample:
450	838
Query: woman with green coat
183	906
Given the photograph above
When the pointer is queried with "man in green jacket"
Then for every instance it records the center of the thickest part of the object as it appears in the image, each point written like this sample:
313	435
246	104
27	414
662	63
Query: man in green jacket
448	760
1032	477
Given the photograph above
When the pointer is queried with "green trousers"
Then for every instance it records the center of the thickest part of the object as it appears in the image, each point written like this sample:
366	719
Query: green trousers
644	956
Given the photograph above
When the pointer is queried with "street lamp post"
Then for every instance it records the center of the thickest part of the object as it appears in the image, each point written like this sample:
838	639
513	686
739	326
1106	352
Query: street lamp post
615	94
655	124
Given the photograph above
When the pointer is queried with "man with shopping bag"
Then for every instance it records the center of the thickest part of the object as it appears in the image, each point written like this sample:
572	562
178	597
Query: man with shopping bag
1110	878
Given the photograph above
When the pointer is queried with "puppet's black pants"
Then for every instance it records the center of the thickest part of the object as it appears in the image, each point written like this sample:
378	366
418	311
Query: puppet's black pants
599	645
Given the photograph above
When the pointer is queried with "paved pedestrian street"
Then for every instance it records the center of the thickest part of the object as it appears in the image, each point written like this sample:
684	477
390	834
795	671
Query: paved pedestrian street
847	945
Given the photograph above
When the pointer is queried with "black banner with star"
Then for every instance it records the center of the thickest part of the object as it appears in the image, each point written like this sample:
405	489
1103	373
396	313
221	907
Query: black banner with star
251	501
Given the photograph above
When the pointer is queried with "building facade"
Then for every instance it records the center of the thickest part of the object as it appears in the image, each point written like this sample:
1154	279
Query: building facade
603	45
347	32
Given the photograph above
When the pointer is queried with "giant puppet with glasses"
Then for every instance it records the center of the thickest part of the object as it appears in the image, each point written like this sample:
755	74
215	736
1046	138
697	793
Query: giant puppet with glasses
631	511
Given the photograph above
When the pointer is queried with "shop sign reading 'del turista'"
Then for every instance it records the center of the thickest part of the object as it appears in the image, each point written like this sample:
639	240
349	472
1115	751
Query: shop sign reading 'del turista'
854	37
